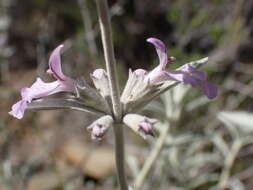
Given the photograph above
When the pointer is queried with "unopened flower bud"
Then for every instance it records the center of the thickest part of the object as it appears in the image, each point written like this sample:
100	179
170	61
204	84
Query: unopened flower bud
100	80
146	127
98	131
140	72
99	73
140	124
99	127
136	88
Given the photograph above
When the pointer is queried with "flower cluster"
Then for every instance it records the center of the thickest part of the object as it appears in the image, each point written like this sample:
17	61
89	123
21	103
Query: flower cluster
142	86
187	74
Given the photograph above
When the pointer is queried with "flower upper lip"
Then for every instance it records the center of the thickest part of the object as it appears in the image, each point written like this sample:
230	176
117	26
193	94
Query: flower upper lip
41	89
55	64
186	74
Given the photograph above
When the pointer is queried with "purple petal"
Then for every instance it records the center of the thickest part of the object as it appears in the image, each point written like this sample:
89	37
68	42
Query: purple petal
156	75
146	127
194	72
175	75
161	51
18	109
210	90
191	80
25	94
55	63
181	76
39	89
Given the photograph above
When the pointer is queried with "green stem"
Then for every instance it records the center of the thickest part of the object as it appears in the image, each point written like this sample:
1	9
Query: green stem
152	157
106	33
229	162
120	155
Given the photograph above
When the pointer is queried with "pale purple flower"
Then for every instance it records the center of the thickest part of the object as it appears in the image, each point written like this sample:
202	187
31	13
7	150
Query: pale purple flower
140	124
186	74
98	131
147	127
100	126
41	89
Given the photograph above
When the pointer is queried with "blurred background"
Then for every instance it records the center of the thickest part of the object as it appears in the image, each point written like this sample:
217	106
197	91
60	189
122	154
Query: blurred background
52	150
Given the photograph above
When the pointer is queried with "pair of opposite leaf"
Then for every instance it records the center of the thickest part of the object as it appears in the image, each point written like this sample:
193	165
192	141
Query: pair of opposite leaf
186	74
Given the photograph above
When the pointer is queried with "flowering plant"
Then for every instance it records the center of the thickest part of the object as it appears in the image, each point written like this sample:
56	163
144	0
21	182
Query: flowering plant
141	88
150	82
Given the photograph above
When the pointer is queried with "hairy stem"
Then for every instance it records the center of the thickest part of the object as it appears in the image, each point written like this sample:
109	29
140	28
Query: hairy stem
229	162
120	156
106	33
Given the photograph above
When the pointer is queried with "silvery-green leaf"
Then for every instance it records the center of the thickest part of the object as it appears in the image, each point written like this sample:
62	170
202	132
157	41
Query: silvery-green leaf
156	108
236	184
201	159
196	144
57	103
200	101
174	157
177	93
240	120
180	140
203	179
221	144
